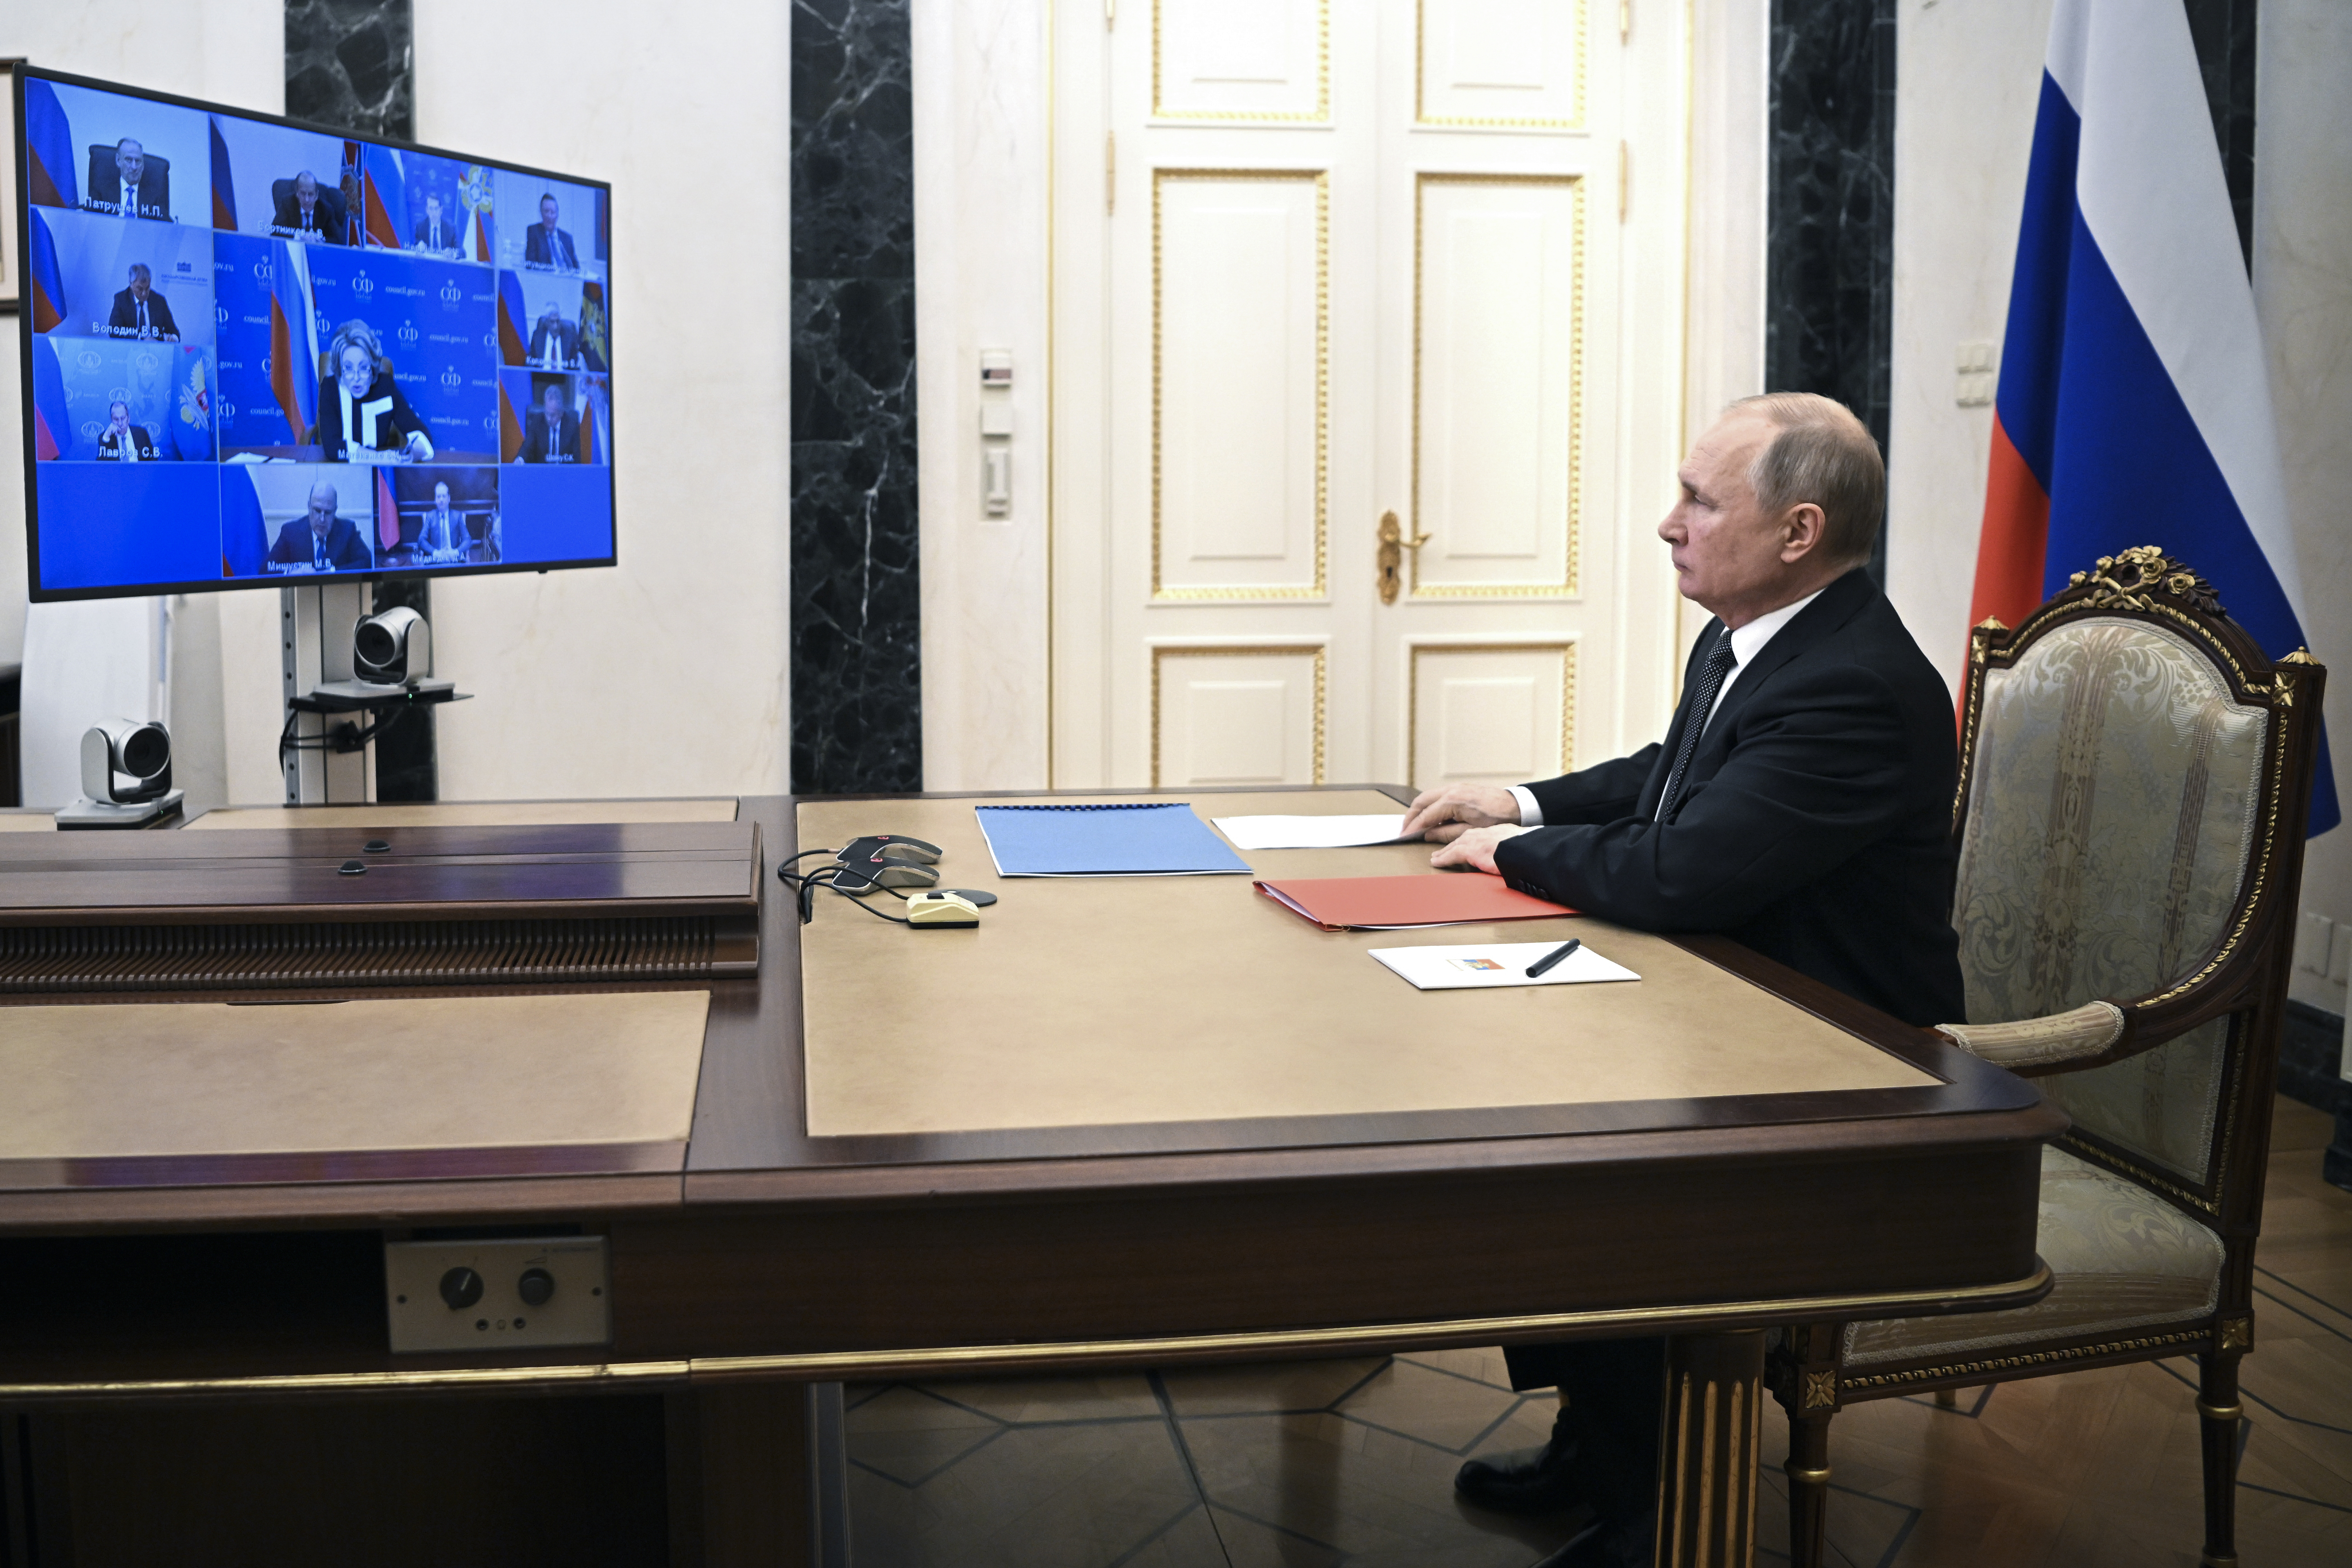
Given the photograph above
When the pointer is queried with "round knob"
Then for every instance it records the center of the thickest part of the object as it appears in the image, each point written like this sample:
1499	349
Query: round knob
535	1287
461	1288
376	845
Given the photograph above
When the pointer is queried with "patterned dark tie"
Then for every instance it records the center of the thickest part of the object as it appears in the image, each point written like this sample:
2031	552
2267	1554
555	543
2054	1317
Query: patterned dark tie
1710	683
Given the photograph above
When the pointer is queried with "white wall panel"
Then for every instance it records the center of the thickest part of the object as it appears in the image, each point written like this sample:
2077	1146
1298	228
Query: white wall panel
1499	382
1241	59
1237	716
1492	714
1239	339
1517	63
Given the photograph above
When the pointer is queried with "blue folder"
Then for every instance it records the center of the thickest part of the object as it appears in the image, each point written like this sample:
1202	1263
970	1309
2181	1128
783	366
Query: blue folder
1108	840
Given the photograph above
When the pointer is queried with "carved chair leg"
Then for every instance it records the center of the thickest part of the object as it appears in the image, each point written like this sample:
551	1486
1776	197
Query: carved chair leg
1947	1399
1808	1467
2219	1413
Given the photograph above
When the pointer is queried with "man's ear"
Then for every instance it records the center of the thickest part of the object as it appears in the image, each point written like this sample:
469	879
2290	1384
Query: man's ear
1802	527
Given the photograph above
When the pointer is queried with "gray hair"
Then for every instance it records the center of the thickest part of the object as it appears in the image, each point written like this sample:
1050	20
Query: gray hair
139	269
1824	454
354	332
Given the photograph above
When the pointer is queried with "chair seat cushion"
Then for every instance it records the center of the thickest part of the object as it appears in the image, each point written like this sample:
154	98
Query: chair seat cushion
2122	1258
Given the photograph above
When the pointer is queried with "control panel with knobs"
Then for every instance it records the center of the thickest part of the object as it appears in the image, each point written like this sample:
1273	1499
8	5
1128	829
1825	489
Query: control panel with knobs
496	1295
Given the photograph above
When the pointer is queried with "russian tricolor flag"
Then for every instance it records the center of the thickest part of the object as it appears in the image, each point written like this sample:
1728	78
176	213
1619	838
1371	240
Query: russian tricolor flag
293	338
2134	404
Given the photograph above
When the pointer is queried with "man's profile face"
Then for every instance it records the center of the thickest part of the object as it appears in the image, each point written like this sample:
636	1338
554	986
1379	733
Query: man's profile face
138	284
306	189
130	161
550	402
322	508
1725	550
547	211
356	368
441	498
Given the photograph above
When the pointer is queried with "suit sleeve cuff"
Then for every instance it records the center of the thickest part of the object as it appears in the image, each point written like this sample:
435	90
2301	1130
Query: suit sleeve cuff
1530	814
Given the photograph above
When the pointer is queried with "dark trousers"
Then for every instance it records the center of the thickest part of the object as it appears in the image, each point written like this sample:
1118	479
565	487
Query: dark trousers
1614	1411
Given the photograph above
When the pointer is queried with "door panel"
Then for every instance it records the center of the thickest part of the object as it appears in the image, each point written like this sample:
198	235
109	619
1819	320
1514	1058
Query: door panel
1239	339
1498	370
1515	63
1241	59
1236	716
1499	714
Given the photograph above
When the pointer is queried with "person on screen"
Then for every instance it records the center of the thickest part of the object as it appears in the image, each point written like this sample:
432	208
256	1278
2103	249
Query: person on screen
434	232
553	432
140	312
130	188
545	245
363	416
312	211
321	540
444	534
121	441
554	342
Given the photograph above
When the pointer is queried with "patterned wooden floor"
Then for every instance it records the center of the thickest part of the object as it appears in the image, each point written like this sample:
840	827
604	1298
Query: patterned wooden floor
1333	1463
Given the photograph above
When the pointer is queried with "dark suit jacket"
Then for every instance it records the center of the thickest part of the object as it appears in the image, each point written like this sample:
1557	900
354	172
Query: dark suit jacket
329	213
448	238
392	427
140	442
535	247
125	313
154	184
1815	820
345	548
535	448
567	343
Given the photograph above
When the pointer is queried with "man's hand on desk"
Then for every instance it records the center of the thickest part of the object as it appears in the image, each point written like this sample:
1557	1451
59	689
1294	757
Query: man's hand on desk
1474	847
1443	815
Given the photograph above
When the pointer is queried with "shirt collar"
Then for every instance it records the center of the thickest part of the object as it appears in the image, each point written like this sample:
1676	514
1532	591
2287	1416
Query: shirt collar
1748	641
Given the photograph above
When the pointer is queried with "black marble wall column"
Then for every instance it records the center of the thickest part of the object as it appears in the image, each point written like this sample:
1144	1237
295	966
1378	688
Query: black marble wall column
855	654
1829	300
349	64
2224	34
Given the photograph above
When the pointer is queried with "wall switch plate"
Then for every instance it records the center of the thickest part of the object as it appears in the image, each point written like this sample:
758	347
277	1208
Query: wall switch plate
477	1295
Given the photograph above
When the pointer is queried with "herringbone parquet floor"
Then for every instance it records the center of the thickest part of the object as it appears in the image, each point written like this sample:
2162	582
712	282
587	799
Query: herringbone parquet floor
1334	1463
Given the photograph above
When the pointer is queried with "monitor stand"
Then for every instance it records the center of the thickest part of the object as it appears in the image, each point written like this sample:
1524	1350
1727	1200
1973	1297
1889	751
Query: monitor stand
321	695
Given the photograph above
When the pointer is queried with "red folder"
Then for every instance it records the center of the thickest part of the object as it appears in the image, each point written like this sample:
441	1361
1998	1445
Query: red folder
1394	903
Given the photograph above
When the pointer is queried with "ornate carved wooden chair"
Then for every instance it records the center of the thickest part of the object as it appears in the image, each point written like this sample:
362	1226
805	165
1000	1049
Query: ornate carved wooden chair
2133	779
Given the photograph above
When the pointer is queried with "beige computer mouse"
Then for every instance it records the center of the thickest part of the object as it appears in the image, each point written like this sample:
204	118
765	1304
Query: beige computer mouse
926	910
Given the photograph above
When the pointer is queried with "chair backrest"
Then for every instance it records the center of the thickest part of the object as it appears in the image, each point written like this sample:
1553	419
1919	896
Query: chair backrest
2124	835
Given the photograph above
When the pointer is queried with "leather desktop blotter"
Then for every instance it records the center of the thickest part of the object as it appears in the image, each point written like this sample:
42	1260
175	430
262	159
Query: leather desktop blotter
379	905
1400	903
145	1094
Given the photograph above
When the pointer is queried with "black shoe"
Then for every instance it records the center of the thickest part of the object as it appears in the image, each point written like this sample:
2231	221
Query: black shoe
1611	1544
1526	1481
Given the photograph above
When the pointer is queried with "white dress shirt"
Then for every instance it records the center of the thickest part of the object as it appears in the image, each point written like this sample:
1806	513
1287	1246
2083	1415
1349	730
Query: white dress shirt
1746	642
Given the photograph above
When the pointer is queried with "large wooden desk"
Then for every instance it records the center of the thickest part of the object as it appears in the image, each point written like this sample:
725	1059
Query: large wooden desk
1122	1123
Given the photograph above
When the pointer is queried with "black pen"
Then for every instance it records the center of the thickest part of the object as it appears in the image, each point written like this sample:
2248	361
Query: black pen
1554	957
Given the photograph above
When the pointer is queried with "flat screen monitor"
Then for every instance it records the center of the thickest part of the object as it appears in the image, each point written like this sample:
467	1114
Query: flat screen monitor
256	352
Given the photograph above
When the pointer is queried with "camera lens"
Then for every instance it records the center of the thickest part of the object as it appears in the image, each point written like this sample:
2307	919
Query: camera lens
375	643
145	753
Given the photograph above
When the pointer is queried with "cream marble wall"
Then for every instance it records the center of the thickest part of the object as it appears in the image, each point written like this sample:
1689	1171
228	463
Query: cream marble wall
1969	75
980	119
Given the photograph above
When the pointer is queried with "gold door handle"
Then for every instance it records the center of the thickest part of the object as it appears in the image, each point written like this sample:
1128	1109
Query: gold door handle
1393	544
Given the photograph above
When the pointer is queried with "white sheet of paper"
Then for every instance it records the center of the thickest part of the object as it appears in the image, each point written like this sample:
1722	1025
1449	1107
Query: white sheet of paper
1487	966
1310	832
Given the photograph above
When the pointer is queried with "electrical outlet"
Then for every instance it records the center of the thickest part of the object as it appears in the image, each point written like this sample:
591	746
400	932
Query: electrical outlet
2312	952
496	1295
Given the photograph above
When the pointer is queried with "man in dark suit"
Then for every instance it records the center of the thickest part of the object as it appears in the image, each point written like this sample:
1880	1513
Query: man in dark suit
121	441
552	433
554	342
443	533
1800	803
434	232
309	210
544	245
130	183
321	540
140	312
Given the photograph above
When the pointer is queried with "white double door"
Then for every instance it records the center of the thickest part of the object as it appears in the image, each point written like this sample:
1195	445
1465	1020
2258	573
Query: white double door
1320	263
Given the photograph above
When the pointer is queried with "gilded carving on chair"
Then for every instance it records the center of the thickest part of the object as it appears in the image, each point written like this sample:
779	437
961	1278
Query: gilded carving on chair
2120	871
2128	582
